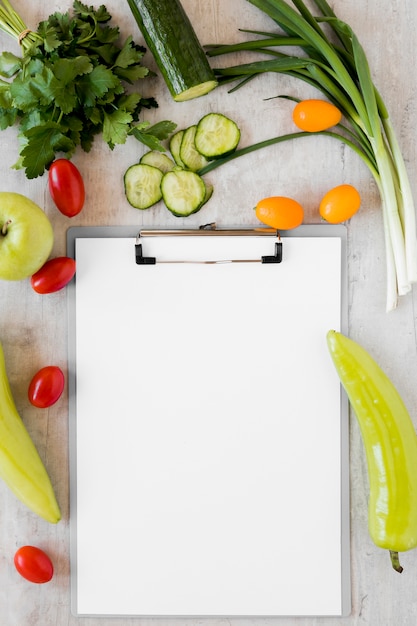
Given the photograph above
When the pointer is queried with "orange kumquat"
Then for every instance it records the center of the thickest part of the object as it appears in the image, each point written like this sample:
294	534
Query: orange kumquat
279	212
316	115
339	204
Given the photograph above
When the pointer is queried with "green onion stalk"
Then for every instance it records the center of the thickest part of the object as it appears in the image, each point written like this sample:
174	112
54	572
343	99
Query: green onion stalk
339	69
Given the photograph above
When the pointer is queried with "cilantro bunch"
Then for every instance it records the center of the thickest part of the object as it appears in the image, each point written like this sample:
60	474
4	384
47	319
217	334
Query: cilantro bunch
70	84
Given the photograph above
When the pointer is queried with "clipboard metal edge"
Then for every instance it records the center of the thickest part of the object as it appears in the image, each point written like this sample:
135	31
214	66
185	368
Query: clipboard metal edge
210	230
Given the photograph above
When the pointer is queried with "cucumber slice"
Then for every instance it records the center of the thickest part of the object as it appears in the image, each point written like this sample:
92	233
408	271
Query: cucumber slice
189	154
183	192
143	185
209	193
175	147
159	160
216	135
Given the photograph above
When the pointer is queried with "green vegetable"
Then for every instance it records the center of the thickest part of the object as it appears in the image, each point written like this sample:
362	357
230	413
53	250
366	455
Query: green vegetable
175	47
21	467
209	193
390	443
189	154
143	185
159	160
216	135
175	147
184	192
70	84
341	72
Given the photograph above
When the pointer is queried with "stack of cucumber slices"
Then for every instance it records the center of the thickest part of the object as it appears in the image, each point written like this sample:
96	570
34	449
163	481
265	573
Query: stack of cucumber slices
175	179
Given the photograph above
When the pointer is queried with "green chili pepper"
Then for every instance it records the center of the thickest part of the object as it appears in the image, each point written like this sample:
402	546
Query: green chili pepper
390	443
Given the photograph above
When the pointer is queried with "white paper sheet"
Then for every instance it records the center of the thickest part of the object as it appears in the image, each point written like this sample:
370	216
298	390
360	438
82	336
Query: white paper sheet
207	456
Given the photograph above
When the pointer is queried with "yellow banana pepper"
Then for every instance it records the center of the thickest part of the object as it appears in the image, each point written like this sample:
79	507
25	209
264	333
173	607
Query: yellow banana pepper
390	443
21	467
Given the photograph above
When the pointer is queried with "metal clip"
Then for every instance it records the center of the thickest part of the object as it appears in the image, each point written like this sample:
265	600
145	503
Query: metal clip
277	257
140	259
207	229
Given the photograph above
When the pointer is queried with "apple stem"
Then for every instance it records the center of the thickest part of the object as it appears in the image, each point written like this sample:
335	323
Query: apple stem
5	226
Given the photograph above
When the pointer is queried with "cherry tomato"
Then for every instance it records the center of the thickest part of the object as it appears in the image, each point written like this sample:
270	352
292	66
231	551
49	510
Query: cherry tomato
315	115
46	386
339	204
53	275
66	187
280	212
33	564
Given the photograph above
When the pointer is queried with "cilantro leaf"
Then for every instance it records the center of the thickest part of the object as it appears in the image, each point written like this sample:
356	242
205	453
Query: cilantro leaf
107	34
7	117
10	64
129	102
161	130
93	115
131	74
66	70
22	94
152	136
66	97
116	127
128	55
51	41
104	52
101	14
95	84
44	86
5	97
42	143
62	25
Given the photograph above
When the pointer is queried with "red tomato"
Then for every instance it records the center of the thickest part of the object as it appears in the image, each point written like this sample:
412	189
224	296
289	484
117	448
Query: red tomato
34	564
66	187
46	386
53	275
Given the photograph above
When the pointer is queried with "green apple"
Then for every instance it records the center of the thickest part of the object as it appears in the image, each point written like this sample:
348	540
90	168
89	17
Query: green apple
26	236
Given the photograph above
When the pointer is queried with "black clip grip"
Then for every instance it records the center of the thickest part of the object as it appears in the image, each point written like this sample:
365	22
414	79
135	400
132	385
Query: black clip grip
143	260
274	258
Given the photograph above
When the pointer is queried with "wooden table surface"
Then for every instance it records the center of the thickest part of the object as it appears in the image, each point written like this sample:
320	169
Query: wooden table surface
33	328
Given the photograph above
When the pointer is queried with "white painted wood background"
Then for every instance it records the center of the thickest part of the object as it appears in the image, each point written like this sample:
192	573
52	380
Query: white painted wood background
33	328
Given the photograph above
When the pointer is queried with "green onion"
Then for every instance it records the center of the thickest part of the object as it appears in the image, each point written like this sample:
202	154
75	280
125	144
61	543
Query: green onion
340	71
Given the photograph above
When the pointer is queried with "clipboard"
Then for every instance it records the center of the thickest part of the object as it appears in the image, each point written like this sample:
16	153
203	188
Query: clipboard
209	461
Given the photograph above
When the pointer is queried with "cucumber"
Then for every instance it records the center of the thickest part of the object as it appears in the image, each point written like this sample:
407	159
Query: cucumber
189	154
183	191
216	135
175	147
209	193
143	185
159	160
170	37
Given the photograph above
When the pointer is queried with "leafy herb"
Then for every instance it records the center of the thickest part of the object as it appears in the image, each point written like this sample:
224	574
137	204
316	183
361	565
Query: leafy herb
71	84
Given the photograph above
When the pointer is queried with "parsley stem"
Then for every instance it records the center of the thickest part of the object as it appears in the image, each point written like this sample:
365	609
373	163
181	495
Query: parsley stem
12	24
